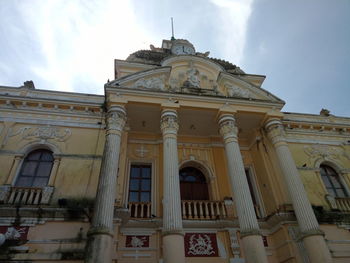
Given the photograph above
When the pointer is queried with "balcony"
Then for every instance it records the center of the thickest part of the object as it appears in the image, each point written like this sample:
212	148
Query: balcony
206	210
12	195
140	210
343	204
191	210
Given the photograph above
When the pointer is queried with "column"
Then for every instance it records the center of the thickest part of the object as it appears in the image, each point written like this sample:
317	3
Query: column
100	236
253	246
310	232
173	239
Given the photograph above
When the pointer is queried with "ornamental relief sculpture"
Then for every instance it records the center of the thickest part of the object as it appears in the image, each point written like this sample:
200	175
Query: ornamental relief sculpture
201	245
155	83
325	151
234	91
191	80
42	133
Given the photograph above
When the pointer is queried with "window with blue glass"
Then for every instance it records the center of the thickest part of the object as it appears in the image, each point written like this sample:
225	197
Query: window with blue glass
140	183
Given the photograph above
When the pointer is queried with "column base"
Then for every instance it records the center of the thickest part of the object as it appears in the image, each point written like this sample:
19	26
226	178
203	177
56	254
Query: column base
99	246
173	248
254	250
317	249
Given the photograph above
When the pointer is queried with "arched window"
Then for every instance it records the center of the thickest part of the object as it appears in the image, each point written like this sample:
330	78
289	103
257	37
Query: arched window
36	169
332	181
193	184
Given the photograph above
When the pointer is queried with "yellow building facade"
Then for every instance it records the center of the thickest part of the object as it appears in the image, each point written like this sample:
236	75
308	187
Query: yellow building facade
185	158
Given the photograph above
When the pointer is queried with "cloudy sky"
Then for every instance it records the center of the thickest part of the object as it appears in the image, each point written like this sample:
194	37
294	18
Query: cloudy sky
303	47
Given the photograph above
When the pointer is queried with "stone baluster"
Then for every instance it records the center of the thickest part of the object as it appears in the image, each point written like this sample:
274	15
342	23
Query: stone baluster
100	235
311	233
173	239
250	233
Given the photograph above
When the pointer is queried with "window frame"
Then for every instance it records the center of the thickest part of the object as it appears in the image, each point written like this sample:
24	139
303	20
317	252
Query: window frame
338	178
251	175
25	160
139	179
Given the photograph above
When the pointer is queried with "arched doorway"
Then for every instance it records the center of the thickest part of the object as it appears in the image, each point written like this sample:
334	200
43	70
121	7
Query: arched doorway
193	185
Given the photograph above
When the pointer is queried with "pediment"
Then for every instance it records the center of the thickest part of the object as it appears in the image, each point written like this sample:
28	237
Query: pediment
235	87
196	76
152	79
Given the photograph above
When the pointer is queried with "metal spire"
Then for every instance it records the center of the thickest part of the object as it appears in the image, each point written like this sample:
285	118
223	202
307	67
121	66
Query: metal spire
172	29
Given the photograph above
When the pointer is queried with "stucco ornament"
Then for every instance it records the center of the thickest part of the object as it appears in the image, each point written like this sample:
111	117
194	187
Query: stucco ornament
234	91
193	80
116	120
137	241
156	83
11	234
200	245
43	133
325	151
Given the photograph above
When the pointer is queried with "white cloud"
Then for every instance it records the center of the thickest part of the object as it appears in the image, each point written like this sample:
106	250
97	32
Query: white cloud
80	40
233	25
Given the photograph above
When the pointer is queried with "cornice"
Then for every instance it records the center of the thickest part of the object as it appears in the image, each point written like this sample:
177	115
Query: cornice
200	98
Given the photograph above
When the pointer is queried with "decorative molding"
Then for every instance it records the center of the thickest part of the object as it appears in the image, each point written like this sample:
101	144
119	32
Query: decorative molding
42	133
325	151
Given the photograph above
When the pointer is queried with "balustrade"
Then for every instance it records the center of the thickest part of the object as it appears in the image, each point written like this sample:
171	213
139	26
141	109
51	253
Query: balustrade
202	209
24	196
343	203
140	209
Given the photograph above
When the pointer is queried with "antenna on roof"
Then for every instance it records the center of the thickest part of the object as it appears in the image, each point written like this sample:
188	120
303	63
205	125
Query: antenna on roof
172	29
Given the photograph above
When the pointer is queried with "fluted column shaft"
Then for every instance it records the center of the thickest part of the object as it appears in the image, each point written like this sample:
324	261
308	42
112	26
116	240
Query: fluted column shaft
250	232
306	218
99	247
173	243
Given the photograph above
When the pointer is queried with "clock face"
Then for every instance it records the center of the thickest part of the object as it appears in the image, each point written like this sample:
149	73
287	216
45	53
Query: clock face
182	50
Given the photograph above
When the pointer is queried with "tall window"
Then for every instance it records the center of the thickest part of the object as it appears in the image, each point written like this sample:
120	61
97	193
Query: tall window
332	181
140	183
193	185
36	169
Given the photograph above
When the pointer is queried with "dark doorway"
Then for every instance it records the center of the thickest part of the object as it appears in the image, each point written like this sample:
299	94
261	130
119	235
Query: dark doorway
193	184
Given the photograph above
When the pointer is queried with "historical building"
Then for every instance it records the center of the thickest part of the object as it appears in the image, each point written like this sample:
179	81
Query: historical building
185	158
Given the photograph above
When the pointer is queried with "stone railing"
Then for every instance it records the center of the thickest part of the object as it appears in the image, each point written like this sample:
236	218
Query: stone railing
202	209
343	204
339	203
140	209
25	195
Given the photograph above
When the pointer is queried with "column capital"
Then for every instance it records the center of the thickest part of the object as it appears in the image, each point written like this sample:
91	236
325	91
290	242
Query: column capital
169	122
275	131
116	119
228	129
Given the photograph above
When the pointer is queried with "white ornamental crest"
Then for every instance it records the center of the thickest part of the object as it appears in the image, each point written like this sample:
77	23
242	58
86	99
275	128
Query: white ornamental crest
200	245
